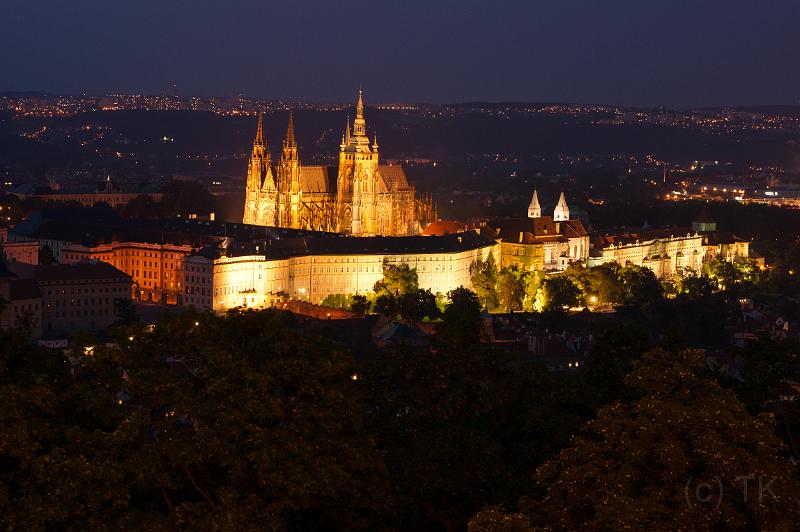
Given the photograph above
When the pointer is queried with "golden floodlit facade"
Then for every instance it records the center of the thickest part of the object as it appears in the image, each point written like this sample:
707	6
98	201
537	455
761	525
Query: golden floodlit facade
360	197
671	251
663	251
317	267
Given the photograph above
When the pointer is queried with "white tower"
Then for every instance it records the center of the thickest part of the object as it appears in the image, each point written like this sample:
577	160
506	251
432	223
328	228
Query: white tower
534	210
561	213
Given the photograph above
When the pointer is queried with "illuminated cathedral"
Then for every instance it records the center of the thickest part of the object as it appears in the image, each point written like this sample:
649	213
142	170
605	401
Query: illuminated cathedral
359	197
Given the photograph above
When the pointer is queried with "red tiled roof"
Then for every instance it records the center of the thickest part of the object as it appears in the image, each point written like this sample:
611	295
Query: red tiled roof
531	231
574	229
445	227
631	237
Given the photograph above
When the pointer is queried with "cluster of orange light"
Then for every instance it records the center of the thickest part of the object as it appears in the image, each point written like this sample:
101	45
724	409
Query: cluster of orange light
725	189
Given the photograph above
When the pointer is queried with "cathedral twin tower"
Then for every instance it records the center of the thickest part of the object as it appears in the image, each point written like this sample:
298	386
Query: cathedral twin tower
359	197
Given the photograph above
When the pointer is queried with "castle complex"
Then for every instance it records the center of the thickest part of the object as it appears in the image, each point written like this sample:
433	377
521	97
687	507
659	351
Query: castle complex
360	197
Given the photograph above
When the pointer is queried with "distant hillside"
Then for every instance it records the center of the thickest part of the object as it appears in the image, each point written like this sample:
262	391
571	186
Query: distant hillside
173	141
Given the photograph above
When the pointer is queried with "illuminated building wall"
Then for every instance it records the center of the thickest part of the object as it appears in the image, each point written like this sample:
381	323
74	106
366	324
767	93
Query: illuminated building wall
156	269
527	257
665	256
729	250
248	281
27	252
258	281
542	243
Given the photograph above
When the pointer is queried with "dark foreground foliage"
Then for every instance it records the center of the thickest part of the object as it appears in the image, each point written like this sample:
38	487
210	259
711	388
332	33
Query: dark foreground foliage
250	422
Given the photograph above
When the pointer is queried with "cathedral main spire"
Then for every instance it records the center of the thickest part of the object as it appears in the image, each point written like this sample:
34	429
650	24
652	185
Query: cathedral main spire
359	124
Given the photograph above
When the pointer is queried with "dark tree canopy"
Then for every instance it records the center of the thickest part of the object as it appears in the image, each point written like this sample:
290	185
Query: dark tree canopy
560	292
207	422
630	467
254	421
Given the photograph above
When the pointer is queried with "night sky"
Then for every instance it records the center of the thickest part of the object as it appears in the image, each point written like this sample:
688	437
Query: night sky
637	52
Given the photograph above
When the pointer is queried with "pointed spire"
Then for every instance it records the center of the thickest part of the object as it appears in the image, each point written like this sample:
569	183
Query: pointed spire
360	104
290	141
260	131
561	212
375	143
534	210
359	124
347	131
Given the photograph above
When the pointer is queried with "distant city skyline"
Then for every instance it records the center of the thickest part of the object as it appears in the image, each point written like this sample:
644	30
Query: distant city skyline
387	104
617	52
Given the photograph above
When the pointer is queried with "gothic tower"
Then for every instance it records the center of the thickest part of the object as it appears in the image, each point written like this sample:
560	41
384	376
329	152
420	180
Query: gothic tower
289	192
260	188
356	190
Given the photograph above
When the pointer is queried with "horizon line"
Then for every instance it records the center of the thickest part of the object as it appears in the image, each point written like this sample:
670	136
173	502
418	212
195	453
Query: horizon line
44	92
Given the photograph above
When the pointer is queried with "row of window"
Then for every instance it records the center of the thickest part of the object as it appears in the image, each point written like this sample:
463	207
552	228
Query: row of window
28	307
76	291
86	313
198	301
76	302
379	260
373	269
198	290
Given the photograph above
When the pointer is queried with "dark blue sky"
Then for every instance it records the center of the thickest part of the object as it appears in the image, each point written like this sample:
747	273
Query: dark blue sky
636	52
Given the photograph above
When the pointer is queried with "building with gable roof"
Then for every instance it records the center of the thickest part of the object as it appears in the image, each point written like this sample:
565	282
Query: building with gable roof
541	243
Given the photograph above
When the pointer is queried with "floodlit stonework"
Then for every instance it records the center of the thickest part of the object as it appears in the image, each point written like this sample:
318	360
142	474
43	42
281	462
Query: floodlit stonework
542	243
670	251
360	197
330	265
666	255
